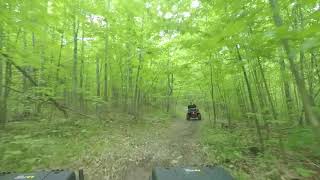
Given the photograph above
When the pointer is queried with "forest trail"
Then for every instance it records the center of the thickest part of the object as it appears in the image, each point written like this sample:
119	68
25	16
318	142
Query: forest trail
178	146
134	158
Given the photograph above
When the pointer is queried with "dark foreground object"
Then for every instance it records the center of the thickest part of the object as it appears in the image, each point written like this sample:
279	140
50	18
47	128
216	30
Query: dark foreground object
178	173
43	175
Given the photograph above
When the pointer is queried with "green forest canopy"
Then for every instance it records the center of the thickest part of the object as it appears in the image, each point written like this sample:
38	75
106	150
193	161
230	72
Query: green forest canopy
247	61
80	52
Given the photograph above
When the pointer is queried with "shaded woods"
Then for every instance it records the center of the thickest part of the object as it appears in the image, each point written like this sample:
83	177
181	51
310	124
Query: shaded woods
253	68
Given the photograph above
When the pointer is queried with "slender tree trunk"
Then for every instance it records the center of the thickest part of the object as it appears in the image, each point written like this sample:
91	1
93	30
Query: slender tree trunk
168	93
105	92
32	70
137	82
242	100
169	83
274	113
1	78
26	68
129	89
212	96
317	72
98	83
122	84
291	56
106	69
286	86
98	76
75	61
254	111
2	118
226	106
259	92
311	77
82	90
8	76
58	81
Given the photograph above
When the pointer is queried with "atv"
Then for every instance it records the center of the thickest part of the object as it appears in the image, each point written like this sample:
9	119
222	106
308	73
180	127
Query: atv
190	173
193	114
43	175
158	173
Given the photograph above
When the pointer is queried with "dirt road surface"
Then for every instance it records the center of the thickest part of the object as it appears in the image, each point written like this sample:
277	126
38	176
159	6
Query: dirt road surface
177	145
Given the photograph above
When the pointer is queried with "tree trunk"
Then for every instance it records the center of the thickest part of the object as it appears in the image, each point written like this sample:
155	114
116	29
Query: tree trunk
75	61
225	105
291	56
311	77
274	114
253	109
98	83
137	82
212	95
7	83
129	89
317	72
106	69
169	83
98	76
2	118
58	81
82	90
260	95
288	97
26	68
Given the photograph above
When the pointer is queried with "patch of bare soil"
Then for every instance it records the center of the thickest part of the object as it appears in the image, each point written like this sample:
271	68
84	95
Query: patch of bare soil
178	147
133	160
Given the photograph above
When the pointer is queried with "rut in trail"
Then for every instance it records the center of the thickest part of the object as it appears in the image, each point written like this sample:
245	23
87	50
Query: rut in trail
178	147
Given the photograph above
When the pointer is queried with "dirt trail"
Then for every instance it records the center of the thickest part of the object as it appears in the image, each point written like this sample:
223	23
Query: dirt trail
179	146
134	155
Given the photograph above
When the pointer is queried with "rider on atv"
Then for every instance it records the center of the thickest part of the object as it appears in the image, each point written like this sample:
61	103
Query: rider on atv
192	105
193	112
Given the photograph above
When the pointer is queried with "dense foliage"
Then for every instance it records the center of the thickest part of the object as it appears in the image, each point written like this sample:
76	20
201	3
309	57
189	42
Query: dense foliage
252	66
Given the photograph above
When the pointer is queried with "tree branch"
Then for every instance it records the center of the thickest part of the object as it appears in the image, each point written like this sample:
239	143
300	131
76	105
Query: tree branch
25	74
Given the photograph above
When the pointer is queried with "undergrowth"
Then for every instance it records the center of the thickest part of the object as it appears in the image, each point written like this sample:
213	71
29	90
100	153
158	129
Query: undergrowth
45	144
295	156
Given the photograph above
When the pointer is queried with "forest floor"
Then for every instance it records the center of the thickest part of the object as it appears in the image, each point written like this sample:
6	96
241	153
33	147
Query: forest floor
177	143
121	147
